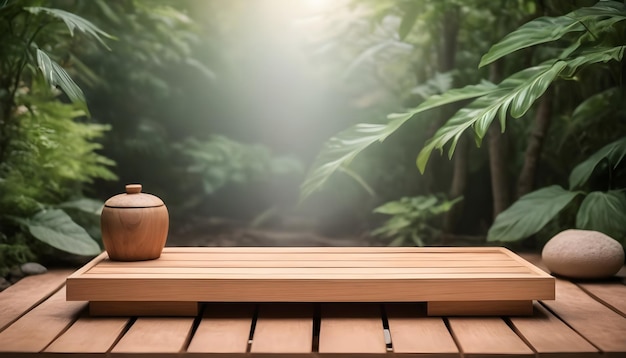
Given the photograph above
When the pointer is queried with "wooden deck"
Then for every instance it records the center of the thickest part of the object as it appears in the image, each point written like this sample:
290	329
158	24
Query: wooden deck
585	320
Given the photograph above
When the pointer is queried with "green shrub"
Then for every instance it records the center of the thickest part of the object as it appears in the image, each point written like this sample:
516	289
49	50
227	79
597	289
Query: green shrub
412	218
48	148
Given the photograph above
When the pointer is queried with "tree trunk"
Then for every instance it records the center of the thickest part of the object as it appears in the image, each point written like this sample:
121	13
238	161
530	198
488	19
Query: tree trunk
447	63
447	53
498	159
447	59
459	182
526	181
498	154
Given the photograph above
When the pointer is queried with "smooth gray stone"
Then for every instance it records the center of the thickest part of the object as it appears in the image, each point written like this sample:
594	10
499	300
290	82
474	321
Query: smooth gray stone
33	268
584	254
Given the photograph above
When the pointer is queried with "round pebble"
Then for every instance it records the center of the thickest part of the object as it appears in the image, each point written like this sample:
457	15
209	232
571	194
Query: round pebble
33	268
583	254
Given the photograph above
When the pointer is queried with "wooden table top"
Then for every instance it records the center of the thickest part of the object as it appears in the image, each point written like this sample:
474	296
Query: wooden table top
451	280
587	319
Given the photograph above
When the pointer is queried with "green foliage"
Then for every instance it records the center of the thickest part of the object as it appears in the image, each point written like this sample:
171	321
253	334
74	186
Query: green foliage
50	152
599	40
86	205
48	149
34	35
86	213
12	254
50	155
603	211
144	88
597	115
579	55
529	214
409	19
220	161
55	75
590	20
516	94
439	83
56	228
412	218
342	148
73	21
608	158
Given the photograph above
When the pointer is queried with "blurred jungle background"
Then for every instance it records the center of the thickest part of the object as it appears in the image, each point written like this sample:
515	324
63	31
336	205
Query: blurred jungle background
313	122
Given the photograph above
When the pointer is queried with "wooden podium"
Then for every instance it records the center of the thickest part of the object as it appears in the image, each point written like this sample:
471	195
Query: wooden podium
453	281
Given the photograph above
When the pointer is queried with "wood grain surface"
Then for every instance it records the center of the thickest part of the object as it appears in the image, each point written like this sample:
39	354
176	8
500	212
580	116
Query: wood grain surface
318	275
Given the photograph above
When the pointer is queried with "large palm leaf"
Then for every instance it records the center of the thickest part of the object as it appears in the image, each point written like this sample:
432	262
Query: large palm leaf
514	95
53	73
339	150
547	29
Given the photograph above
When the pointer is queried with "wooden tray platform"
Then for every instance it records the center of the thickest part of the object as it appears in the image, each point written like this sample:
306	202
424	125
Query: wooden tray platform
453	281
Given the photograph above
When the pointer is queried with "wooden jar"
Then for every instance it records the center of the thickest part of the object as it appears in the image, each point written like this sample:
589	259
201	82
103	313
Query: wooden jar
134	225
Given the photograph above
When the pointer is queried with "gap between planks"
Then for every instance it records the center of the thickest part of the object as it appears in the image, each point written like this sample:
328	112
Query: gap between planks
20	298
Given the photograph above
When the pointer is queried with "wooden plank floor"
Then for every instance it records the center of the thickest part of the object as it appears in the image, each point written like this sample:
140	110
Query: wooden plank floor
587	319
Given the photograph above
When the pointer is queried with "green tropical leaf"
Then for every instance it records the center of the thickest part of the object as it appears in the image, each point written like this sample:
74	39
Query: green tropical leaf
55	75
87	205
342	148
611	10
339	150
538	31
518	92
56	228
439	83
529	214
604	212
613	153
73	21
358	179
423	203
455	95
602	15
408	20
393	208
594	110
595	54
392	226
445	206
599	105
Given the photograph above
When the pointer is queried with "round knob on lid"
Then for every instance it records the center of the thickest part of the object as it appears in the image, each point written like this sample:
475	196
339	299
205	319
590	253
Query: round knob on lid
133	188
133	198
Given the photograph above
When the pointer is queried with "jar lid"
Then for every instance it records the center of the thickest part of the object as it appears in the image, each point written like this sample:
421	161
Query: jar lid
133	198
